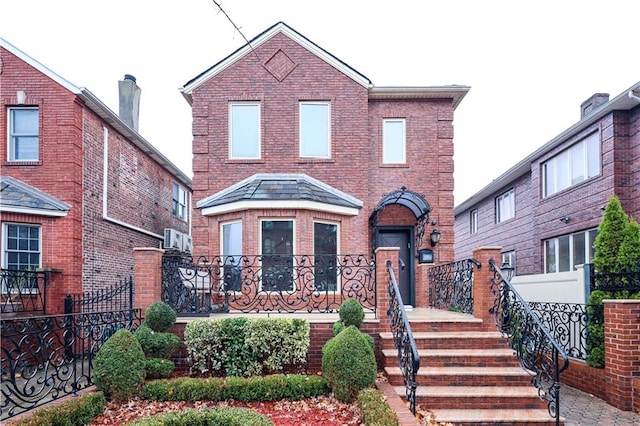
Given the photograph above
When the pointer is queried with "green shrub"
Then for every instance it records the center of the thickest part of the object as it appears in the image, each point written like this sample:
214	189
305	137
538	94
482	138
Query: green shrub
348	363
157	344
160	317
237	358
203	340
338	326
79	411
351	313
375	410
216	416
119	366
158	368
277	342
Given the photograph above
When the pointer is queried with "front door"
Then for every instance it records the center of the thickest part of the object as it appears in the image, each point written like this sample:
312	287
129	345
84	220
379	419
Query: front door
400	238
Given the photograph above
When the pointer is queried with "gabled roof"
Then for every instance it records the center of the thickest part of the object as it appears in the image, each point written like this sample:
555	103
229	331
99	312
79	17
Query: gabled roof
261	38
96	105
280	190
19	197
627	100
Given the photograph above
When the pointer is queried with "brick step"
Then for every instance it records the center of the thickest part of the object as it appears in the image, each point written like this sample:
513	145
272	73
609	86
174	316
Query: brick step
538	417
464	323
451	340
463	376
477	397
458	357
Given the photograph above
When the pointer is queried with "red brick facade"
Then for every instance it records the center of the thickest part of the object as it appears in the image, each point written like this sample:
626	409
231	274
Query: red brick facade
87	250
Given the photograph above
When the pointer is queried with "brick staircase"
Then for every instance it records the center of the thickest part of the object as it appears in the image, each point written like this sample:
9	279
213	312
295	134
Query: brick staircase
467	375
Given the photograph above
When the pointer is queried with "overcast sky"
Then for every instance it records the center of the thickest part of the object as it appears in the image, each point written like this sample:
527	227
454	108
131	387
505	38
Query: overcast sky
530	64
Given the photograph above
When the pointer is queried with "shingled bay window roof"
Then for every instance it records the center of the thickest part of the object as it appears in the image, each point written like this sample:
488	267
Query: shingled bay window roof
19	197
275	191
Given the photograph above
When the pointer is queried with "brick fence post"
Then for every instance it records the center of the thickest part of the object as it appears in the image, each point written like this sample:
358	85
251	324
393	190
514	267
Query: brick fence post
483	298
383	254
147	278
622	352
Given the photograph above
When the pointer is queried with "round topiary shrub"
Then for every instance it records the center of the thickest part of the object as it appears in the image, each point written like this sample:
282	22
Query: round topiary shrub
157	345
338	326
160	317
159	368
119	366
351	313
348	364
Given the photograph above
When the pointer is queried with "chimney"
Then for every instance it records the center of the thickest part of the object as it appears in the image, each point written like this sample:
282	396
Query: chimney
129	101
593	103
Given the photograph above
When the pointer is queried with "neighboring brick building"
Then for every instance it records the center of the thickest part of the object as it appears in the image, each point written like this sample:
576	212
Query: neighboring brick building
61	208
296	153
544	212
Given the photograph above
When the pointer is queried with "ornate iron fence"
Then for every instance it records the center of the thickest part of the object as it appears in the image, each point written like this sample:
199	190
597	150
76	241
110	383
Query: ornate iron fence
451	286
408	356
534	346
47	357
112	298
614	281
267	283
23	291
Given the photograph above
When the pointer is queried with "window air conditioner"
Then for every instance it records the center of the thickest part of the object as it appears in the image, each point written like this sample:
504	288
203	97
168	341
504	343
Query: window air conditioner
172	239
187	243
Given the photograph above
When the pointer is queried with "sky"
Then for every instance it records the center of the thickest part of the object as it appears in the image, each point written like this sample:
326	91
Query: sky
529	64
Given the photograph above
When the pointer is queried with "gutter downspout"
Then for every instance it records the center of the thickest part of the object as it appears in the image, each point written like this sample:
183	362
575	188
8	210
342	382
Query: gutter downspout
633	96
105	187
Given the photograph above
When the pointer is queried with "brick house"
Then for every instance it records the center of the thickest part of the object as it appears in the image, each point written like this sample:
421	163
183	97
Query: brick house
544	212
297	153
62	209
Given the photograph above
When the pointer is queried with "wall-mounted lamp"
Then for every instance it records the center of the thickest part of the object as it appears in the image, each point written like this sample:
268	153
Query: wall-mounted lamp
507	270
434	237
565	219
425	256
21	97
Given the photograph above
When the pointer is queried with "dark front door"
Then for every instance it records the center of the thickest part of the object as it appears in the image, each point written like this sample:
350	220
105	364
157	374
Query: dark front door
400	238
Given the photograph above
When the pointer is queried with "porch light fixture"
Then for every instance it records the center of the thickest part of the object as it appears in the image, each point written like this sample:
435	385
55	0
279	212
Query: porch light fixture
434	237
507	270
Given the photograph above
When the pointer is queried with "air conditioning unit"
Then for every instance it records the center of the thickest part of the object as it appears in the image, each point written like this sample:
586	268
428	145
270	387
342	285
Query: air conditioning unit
187	243
173	239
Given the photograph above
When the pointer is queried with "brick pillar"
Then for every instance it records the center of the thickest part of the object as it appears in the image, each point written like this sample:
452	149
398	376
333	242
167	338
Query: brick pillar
383	254
621	351
147	279
422	285
483	298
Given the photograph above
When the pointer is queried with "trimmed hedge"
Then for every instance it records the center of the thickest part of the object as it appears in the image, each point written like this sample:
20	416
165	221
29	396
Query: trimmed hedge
217	416
258	388
375	410
78	411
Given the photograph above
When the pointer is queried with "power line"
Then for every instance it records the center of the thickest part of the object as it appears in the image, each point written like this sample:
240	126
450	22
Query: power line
235	26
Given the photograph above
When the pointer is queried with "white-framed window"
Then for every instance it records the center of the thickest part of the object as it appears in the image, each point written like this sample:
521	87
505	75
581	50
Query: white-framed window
179	201
23	134
473	222
506	206
244	130
232	254
315	129
509	258
325	250
576	164
394	142
22	246
563	253
276	242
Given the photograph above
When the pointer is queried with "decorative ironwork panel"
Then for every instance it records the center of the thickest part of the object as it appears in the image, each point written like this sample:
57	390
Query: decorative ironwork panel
116	297
408	357
23	291
267	283
451	286
538	352
620	281
47	357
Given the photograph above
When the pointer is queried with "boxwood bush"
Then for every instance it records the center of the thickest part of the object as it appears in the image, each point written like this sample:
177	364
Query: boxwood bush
160	316
216	416
78	411
157	344
375	410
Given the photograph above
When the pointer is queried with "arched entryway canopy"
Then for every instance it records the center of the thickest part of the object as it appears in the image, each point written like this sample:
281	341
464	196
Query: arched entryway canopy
409	199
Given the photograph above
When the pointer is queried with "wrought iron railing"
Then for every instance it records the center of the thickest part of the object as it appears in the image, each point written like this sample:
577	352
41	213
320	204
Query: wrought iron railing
536	349
267	283
45	358
451	286
408	356
113	298
23	291
614	281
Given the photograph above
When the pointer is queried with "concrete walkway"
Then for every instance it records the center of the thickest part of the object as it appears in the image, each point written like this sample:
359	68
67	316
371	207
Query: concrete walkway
582	409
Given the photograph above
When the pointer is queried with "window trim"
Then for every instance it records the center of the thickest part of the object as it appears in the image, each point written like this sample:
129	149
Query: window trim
300	129
338	230
261	246
224	255
511	194
259	130
473	221
181	190
587	254
11	150
403	142
5	242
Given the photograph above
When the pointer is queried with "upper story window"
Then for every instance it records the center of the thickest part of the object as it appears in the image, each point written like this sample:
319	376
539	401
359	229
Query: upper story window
563	253
23	134
473	221
22	247
506	206
244	130
394	141
179	202
572	166
315	126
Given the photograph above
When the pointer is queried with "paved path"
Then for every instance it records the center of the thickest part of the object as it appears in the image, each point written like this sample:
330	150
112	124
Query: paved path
582	409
